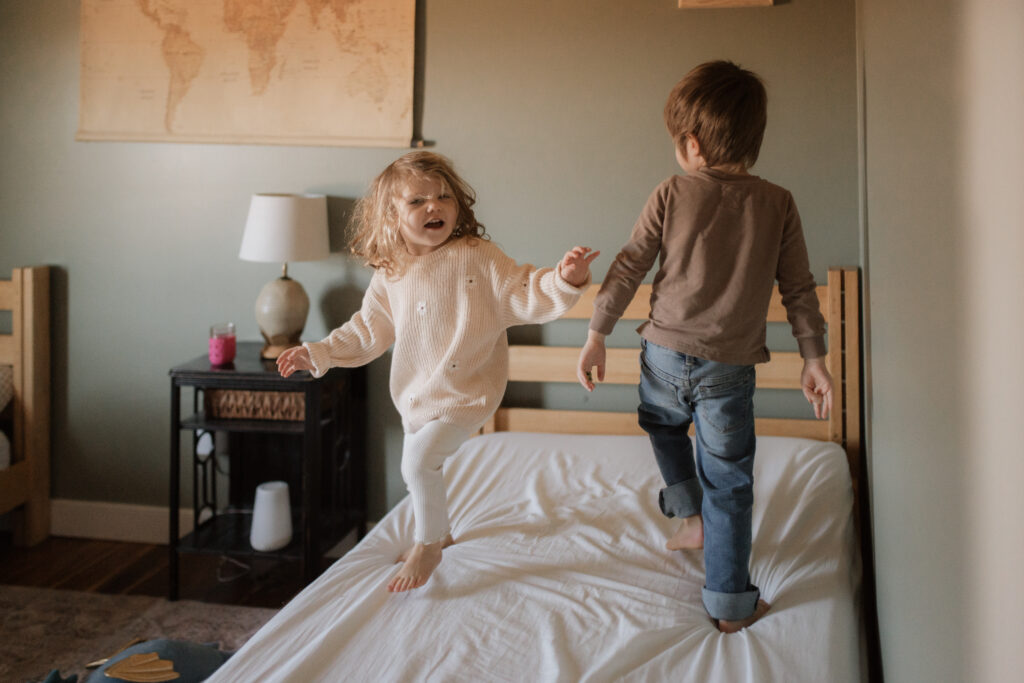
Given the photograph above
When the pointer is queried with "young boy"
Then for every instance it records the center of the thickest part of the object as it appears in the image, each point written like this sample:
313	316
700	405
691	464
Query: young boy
722	238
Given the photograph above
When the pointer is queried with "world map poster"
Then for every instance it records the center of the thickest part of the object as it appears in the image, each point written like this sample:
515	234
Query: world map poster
292	72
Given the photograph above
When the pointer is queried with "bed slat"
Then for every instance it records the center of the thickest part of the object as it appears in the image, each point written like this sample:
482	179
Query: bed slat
640	306
8	349
563	421
8	295
605	423
558	364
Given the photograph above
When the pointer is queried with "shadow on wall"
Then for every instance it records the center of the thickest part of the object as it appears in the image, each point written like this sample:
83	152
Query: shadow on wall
339	211
338	302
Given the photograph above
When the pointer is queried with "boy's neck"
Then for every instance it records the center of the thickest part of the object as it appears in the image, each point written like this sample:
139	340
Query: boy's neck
734	169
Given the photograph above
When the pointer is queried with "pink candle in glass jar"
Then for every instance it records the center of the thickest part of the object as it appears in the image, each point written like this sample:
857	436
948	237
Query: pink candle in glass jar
222	343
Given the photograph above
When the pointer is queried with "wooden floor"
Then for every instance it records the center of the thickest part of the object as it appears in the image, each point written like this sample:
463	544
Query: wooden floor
142	569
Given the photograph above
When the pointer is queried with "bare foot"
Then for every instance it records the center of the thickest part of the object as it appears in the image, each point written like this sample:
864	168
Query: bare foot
734	626
689	536
420	561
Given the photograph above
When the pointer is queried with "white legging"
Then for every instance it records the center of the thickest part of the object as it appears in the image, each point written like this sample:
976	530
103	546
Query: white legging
423	456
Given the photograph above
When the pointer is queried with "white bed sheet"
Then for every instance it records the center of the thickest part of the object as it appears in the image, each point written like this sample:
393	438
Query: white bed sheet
559	573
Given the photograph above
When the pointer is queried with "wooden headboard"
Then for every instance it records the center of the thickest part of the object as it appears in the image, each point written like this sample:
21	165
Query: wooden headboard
25	485
840	305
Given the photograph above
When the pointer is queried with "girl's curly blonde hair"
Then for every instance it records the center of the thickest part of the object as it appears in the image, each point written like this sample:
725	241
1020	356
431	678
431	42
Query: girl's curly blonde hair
374	228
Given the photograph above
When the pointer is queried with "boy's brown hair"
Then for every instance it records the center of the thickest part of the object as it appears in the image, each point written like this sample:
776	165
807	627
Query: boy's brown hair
724	107
374	227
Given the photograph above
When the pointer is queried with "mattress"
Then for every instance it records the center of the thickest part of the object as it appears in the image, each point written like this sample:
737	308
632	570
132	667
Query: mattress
559	573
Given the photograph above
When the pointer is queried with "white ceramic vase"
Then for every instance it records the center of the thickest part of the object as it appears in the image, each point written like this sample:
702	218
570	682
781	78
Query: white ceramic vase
271	517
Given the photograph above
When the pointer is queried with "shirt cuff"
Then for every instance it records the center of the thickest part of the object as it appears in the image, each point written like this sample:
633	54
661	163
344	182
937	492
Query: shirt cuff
812	347
320	358
602	322
565	285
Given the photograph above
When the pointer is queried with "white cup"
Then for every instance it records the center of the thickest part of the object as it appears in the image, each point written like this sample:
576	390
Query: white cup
271	517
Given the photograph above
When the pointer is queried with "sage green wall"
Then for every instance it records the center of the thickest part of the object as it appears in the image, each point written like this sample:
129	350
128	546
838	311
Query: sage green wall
552	110
945	196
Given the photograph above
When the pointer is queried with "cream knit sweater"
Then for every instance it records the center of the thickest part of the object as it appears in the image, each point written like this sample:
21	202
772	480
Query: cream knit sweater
447	316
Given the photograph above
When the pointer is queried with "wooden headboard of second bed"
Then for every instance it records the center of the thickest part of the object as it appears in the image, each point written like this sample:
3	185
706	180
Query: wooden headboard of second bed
840	304
25	485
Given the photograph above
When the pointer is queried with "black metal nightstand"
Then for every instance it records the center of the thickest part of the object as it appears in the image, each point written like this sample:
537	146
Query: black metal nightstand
322	456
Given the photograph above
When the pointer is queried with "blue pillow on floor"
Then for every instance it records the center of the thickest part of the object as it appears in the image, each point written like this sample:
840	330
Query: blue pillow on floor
155	660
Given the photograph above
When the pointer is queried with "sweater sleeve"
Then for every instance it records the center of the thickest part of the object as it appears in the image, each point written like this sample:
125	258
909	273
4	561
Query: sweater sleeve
532	296
631	264
366	336
798	289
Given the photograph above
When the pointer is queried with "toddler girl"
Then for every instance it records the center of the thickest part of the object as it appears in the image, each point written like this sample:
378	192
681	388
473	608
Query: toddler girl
444	296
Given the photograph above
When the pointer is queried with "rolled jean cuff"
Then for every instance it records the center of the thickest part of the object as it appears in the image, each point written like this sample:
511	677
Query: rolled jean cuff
682	499
731	606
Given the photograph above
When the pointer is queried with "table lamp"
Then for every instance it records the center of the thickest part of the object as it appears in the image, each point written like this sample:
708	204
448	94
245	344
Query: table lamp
284	227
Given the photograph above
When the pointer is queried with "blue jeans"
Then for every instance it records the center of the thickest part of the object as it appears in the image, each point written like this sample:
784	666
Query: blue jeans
675	390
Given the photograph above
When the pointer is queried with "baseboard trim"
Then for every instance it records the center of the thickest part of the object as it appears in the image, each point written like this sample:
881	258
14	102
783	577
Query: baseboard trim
114	521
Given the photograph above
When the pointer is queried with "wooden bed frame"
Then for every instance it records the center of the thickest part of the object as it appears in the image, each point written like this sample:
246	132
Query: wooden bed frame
840	304
25	485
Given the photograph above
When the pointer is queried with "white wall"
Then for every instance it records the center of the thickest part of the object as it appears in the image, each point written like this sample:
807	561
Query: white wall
993	222
945	197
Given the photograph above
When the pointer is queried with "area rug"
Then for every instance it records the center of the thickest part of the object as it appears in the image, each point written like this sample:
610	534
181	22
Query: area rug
43	629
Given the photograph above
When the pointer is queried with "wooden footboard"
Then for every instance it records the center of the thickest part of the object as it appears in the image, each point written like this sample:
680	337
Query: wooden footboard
25	485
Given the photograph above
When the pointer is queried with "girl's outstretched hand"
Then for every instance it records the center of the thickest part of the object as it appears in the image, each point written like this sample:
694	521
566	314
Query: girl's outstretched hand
575	265
295	358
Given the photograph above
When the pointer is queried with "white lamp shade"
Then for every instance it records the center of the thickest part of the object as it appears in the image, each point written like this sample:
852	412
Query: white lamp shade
286	227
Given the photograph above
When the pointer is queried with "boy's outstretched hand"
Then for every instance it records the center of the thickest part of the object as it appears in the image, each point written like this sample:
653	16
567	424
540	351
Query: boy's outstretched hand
295	358
817	386
575	265
592	356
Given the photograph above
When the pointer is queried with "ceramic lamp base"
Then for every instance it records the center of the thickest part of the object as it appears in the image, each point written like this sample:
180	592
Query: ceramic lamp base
272	351
281	310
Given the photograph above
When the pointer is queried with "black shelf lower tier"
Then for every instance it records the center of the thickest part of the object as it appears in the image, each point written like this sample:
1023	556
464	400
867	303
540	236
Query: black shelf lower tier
227	533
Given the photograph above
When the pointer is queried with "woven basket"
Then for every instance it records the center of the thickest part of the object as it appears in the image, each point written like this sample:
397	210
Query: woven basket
255	405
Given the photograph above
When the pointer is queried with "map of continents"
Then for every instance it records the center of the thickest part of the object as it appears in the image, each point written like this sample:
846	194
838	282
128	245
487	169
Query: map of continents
310	72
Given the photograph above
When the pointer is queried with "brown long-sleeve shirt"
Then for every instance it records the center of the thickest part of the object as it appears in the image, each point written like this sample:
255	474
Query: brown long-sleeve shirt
721	240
